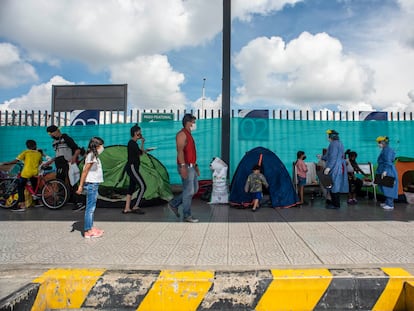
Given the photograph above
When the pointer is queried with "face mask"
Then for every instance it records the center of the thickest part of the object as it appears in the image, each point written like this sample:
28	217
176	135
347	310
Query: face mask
304	158
380	145
100	150
193	127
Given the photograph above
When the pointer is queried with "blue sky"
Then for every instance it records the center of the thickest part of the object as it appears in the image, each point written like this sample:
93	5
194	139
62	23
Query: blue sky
286	54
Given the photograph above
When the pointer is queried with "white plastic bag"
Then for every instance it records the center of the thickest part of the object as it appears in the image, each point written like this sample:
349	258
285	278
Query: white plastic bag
220	192
74	173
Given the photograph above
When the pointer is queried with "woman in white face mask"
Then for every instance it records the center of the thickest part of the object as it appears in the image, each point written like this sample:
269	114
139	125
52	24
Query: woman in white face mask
92	176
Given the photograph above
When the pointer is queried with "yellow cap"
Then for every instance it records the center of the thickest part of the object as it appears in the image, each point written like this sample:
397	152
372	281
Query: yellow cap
381	138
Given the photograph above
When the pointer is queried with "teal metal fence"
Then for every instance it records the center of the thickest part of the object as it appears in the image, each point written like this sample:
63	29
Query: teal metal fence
284	137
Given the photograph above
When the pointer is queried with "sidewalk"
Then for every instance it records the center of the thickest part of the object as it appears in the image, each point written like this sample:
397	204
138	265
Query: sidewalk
362	236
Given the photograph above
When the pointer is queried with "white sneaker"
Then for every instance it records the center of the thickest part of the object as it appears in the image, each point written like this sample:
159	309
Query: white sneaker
382	204
388	208
190	219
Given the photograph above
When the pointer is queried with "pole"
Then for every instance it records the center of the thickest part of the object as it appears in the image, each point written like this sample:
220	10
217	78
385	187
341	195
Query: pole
225	119
203	95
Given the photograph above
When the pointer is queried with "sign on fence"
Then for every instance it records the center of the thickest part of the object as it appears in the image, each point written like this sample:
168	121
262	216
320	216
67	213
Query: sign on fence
151	117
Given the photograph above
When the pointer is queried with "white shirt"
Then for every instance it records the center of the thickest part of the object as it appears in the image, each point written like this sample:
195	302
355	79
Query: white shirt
95	174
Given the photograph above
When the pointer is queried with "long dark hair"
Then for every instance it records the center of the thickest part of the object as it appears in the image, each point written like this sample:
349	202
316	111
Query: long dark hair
94	143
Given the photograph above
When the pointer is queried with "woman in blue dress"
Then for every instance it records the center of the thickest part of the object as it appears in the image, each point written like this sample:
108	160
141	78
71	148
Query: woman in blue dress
386	167
336	168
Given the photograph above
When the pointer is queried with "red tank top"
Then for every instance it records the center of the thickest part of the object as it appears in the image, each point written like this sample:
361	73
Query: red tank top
190	155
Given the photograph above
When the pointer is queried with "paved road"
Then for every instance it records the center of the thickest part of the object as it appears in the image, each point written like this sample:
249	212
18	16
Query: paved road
360	236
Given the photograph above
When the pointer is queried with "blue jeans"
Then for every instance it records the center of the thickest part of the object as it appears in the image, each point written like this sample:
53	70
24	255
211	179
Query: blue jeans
190	187
91	197
389	201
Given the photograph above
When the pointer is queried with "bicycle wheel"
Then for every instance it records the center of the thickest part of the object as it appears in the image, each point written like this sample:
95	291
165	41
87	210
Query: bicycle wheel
54	194
9	196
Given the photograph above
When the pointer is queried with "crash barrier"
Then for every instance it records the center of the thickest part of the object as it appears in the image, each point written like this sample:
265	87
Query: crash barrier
387	288
283	137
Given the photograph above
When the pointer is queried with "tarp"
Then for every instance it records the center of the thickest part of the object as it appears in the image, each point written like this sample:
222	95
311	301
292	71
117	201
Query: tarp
281	190
116	180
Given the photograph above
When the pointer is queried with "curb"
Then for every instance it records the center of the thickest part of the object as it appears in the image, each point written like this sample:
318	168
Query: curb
283	289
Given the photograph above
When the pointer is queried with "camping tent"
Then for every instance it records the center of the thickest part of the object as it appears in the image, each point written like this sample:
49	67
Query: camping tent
281	189
116	180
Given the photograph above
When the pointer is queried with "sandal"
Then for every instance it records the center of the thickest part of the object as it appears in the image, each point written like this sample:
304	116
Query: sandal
138	210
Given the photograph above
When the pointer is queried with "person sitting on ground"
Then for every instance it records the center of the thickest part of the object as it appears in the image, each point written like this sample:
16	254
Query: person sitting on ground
31	158
254	185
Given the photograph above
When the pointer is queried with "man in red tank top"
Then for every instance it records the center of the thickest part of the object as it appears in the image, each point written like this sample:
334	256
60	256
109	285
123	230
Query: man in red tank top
187	168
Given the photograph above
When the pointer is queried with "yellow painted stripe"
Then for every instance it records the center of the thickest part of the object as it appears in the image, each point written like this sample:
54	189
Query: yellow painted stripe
178	290
393	290
64	288
295	289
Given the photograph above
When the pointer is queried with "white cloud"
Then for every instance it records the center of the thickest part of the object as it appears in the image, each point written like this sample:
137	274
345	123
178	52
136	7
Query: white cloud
14	71
38	98
207	104
311	69
152	83
245	9
102	32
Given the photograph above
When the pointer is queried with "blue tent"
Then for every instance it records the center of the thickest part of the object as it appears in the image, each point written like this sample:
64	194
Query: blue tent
281	190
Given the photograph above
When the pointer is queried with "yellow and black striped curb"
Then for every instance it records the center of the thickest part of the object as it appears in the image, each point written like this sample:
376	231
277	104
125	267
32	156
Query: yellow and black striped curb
285	289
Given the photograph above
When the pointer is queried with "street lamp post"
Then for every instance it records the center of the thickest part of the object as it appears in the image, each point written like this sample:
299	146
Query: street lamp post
203	95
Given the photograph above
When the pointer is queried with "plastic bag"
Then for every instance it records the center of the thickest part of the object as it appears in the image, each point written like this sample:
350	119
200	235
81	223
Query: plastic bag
74	173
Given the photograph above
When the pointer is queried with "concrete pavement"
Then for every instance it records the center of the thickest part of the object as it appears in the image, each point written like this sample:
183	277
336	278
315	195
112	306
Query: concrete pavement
362	236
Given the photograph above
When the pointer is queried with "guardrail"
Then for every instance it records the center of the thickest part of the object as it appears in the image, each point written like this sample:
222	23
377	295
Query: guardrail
44	118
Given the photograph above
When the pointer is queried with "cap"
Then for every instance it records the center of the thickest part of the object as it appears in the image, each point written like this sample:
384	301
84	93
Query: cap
51	129
331	132
382	138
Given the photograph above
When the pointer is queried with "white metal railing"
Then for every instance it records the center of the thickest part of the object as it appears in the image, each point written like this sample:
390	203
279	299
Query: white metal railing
44	118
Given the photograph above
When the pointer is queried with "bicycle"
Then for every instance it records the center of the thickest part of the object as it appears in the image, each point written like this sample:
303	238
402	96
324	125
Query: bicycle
53	192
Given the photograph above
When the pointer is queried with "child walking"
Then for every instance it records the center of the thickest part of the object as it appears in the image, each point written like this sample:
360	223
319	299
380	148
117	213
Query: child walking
92	176
254	184
301	170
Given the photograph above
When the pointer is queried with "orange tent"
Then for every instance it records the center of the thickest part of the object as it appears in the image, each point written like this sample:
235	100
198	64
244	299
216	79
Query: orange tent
405	170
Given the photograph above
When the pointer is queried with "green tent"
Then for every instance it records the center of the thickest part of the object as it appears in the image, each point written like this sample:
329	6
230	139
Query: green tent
116	180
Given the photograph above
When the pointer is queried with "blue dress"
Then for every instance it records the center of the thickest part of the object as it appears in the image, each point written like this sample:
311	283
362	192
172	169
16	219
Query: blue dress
386	164
335	160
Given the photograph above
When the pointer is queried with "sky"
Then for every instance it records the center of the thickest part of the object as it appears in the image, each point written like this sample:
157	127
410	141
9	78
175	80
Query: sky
338	55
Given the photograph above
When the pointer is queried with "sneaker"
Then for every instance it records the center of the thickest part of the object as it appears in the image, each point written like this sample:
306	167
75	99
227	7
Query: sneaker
174	210
92	234
19	209
331	206
190	219
388	208
78	206
38	203
382	204
96	230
